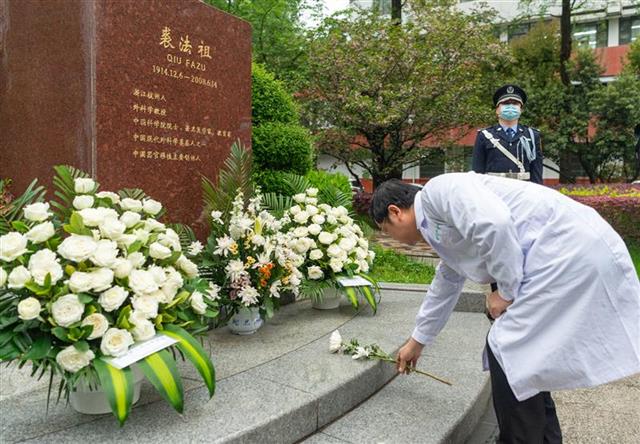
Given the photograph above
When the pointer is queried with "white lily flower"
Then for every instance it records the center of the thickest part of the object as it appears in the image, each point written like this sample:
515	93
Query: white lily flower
335	342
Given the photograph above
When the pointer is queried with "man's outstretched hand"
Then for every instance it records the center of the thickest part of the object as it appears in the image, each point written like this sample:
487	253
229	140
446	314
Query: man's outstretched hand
496	305
408	355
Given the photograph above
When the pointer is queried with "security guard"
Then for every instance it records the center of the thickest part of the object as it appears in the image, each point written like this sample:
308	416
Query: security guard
509	149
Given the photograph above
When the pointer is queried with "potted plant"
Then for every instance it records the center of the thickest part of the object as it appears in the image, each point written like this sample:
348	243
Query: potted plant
334	248
250	260
87	277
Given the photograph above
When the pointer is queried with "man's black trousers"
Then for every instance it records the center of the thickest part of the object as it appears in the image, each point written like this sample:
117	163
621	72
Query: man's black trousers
532	421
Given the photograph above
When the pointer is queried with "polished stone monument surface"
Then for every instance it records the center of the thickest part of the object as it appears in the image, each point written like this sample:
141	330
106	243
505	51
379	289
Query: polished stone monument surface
140	93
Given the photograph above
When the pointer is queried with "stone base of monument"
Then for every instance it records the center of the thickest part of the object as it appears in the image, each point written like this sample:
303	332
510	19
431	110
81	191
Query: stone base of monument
281	385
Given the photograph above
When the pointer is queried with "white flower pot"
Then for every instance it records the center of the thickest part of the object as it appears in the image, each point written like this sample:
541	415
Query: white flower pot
94	402
246	321
330	300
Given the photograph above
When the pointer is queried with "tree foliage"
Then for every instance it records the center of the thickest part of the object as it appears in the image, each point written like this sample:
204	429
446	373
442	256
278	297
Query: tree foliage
378	89
279	37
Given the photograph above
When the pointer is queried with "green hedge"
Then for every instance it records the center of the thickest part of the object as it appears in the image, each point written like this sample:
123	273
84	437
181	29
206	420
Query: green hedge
270	100
282	147
322	179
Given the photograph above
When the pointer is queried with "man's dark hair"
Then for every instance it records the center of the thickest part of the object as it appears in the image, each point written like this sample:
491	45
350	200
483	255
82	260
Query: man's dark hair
392	192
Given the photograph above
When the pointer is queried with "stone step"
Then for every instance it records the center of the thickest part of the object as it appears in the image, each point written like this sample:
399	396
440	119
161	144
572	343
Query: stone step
279	385
415	409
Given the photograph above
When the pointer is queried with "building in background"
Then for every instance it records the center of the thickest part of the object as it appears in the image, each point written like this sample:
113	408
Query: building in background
606	26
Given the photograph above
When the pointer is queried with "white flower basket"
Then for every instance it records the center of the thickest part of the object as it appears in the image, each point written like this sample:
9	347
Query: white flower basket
329	301
94	402
246	322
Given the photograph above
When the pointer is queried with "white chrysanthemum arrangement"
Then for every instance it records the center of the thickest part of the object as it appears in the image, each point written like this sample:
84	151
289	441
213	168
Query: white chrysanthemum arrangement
332	243
249	258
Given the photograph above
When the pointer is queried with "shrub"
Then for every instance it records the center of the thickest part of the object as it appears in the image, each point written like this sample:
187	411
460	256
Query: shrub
322	180
618	204
281	147
271	181
362	202
270	100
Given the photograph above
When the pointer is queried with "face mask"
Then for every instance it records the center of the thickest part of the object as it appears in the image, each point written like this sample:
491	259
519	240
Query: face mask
510	112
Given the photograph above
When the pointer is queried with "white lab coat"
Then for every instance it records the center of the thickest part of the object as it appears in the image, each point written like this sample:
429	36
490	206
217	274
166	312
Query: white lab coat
575	317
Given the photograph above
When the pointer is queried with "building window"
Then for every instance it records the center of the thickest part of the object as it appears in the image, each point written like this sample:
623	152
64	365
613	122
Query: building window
432	163
591	35
629	29
518	30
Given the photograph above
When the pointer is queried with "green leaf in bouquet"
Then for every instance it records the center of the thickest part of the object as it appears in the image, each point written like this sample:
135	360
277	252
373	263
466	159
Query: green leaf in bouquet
84	297
76	225
188	345
370	297
352	296
9	351
134	247
171	259
123	318
20	226
5	336
212	313
75	334
37	289
82	346
13	210
6	321
182	296
86	331
268	307
38	349
60	333
118	386
161	370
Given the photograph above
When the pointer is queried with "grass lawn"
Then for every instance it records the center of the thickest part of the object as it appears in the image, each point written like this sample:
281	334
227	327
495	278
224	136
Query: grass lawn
390	266
634	249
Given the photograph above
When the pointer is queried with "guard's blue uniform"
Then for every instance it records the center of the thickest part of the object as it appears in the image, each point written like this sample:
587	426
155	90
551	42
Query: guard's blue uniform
489	159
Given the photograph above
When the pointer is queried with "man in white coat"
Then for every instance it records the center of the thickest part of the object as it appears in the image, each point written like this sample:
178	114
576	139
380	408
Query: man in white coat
567	308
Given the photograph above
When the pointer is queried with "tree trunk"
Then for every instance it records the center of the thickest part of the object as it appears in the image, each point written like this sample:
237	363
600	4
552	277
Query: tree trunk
565	41
396	11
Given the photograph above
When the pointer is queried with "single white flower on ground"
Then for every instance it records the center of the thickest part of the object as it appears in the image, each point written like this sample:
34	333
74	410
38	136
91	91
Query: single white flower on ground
113	298
18	277
12	246
72	360
195	248
99	322
197	302
41	232
37	212
67	310
335	342
29	308
84	185
116	342
360	352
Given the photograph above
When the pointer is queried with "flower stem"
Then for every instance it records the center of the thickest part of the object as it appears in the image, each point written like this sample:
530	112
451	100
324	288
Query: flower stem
413	369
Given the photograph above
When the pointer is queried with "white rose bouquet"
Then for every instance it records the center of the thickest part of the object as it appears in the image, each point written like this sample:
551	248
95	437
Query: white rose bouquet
249	259
86	277
333	245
